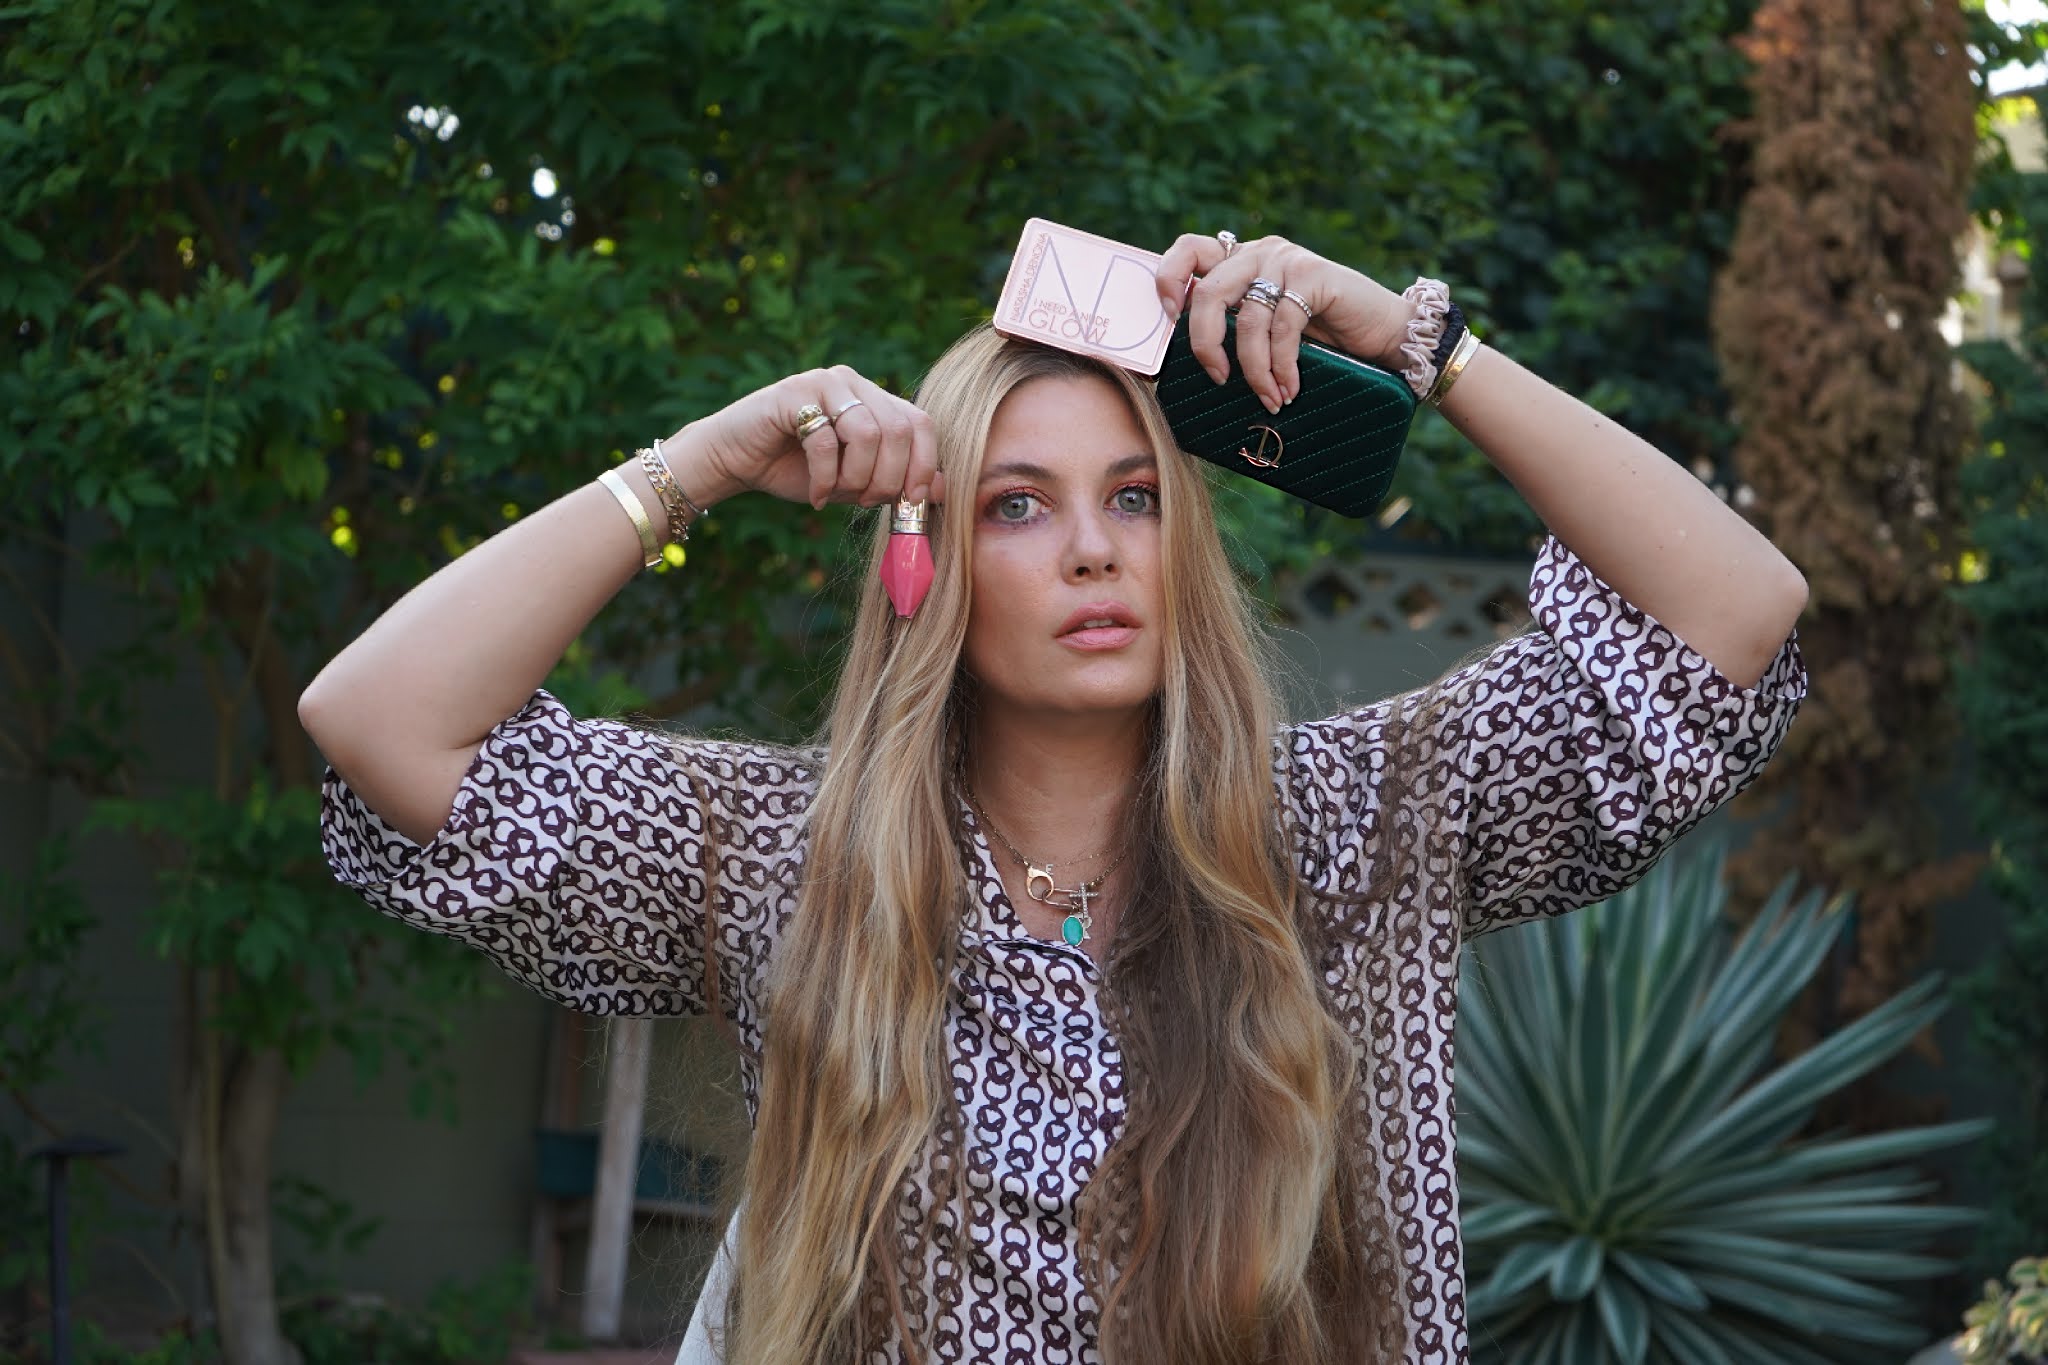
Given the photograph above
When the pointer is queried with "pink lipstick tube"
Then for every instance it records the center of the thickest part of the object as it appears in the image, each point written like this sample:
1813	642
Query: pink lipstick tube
907	562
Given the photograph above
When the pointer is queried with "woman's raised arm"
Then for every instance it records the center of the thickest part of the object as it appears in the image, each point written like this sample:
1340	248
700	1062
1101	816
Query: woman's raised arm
402	711
1640	521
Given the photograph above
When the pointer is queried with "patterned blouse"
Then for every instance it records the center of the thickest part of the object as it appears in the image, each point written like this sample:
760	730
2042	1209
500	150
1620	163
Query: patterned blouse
1576	754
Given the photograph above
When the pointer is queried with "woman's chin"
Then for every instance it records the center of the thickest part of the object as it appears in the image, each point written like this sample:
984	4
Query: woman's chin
1081	692
1107	691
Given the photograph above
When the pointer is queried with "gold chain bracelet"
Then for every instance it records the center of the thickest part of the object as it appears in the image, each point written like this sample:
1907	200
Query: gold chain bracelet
681	511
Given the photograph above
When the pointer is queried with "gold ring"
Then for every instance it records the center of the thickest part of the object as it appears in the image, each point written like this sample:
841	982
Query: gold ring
809	418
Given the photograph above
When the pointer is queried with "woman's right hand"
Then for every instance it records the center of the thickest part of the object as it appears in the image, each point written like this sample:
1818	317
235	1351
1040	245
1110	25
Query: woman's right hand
878	447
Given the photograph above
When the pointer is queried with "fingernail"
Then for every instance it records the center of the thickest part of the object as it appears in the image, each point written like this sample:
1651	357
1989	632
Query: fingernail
1172	310
1272	404
1219	375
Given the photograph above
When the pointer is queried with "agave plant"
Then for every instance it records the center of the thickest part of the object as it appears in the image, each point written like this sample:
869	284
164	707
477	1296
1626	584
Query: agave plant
1633	1184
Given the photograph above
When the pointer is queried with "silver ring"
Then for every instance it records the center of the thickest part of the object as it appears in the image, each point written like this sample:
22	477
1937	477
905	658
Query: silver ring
1229	240
1264	291
1299	302
856	403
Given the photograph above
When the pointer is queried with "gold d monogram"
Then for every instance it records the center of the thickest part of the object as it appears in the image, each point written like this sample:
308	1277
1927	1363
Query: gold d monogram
1259	457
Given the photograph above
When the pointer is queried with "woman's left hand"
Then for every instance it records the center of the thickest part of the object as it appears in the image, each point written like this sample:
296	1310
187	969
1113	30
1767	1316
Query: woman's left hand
1337	306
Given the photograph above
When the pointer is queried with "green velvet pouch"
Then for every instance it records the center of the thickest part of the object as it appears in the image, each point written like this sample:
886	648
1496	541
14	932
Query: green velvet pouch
1335	445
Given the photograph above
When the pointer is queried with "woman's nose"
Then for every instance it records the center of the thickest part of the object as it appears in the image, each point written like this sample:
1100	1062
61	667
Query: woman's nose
1091	550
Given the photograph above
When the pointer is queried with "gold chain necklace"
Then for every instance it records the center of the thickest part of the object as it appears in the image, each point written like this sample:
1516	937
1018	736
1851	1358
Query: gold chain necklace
1041	886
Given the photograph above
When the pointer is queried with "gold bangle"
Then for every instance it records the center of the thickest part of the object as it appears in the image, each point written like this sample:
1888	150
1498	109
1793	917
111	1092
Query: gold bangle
630	500
1468	346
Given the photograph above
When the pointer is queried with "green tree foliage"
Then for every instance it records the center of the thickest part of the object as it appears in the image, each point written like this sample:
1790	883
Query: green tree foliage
46	1019
2003	688
291	322
1614	186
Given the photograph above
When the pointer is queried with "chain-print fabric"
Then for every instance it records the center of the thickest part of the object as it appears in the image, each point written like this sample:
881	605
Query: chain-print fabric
1563	764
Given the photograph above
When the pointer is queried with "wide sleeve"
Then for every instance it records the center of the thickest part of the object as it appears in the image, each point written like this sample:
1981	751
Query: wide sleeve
586	858
1548	774
1591	743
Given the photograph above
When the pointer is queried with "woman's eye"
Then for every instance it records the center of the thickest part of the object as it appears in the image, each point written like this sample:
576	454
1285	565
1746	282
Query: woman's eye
1014	507
1137	500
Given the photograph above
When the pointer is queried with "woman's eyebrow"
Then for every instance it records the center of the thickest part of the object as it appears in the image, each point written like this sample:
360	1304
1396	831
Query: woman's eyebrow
1024	469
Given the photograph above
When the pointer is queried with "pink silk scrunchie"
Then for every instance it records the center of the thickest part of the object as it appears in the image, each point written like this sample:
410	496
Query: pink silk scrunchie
1432	303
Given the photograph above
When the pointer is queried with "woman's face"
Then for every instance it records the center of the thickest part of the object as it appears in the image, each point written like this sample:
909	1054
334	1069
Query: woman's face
1066	532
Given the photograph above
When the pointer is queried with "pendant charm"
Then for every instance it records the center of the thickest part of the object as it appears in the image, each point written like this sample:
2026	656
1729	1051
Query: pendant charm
1078	921
1038	883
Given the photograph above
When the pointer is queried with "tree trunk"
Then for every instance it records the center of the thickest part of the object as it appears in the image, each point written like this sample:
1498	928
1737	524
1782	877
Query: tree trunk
618	1175
1827	321
231	1103
243	1087
246	1295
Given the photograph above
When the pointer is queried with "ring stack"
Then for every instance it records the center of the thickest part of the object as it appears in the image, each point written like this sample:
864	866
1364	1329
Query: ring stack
810	419
1264	291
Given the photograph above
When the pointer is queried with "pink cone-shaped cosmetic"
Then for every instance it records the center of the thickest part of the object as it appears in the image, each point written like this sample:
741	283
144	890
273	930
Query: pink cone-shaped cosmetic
907	563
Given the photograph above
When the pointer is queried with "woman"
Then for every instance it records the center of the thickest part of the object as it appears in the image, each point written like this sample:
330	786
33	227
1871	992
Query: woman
1217	1128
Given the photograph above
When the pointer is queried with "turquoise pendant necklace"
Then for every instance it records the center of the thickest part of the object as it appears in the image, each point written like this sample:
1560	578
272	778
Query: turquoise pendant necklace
1042	886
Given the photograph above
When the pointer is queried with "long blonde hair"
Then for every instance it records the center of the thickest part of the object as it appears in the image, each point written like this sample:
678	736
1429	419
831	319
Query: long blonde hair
1237	1217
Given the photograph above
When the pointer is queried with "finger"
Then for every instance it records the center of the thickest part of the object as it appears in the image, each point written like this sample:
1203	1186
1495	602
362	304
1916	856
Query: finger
1220	288
892	458
821	458
859	419
820	448
1192	253
1255	350
858	429
1289	321
922	481
1206	304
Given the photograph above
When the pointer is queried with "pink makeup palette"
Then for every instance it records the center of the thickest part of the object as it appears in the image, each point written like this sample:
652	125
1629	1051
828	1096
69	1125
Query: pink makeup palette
1085	294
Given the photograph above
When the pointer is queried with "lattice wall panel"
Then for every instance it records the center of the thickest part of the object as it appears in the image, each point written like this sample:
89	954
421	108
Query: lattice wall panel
1392	622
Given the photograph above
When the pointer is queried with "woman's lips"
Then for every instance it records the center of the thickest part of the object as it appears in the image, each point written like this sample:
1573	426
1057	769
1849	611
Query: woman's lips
1099	638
